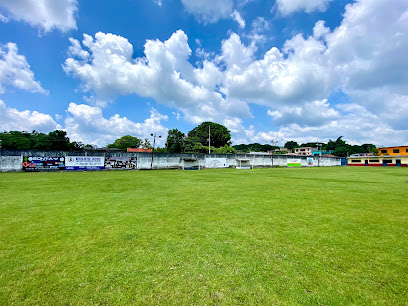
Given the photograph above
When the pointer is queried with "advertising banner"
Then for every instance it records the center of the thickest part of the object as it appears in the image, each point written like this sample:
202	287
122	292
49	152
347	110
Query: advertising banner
310	162
84	162
216	163
37	163
294	162
121	163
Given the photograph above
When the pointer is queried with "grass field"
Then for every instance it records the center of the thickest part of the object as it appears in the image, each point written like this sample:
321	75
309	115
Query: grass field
263	236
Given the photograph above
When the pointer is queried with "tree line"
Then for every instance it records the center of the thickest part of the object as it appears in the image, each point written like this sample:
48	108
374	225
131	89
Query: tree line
56	140
195	141
337	147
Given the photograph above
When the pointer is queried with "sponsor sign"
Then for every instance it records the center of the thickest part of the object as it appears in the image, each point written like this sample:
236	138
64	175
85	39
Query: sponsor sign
84	162
216	163
310	162
294	162
121	163
37	163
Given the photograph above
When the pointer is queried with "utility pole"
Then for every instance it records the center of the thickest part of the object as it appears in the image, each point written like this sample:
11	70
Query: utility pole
209	139
154	142
319	146
273	141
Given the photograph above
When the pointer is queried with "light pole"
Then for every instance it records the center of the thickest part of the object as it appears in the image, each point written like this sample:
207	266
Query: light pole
319	146
209	139
154	142
273	141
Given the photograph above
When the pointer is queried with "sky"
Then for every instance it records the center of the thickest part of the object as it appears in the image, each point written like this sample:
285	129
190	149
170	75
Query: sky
269	70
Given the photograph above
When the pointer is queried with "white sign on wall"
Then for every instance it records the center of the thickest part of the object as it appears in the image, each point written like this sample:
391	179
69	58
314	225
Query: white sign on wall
216	163
310	162
84	162
294	162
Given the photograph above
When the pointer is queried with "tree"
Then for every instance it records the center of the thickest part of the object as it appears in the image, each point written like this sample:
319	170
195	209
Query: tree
126	142
175	142
15	140
59	140
40	141
290	145
146	144
220	135
226	150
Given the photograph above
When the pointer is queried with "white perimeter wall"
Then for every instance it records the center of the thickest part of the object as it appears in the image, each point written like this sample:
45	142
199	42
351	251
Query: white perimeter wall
167	161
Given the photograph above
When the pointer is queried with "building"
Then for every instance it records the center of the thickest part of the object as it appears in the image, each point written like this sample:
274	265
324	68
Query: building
393	151
378	161
323	153
304	151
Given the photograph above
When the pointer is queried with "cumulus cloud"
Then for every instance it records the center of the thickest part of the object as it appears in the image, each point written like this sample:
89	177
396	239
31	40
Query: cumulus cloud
287	7
364	58
313	113
300	73
15	71
209	11
13	120
368	50
88	125
356	125
45	14
164	74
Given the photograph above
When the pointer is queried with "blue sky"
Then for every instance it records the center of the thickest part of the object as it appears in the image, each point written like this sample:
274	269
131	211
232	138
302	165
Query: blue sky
303	70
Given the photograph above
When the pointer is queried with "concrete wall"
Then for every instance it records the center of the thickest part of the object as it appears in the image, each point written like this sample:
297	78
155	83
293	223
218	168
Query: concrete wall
11	163
12	160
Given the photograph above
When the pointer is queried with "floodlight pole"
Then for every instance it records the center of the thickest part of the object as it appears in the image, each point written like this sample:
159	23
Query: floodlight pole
319	146
154	142
273	141
209	139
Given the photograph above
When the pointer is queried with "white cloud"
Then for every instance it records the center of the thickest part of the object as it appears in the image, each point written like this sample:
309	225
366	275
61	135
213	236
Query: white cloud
313	113
258	28
158	2
235	54
356	125
164	74
287	7
209	11
88	125
45	14
298	74
238	18
364	58
15	71
4	19
13	120
368	50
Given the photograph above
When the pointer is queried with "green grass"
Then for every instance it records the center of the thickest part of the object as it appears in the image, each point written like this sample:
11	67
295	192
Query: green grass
265	236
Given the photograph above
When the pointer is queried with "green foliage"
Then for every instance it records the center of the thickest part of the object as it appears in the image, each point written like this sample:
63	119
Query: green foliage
146	144
160	150
15	140
126	142
290	145
56	140
226	150
220	135
255	147
175	142
59	140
